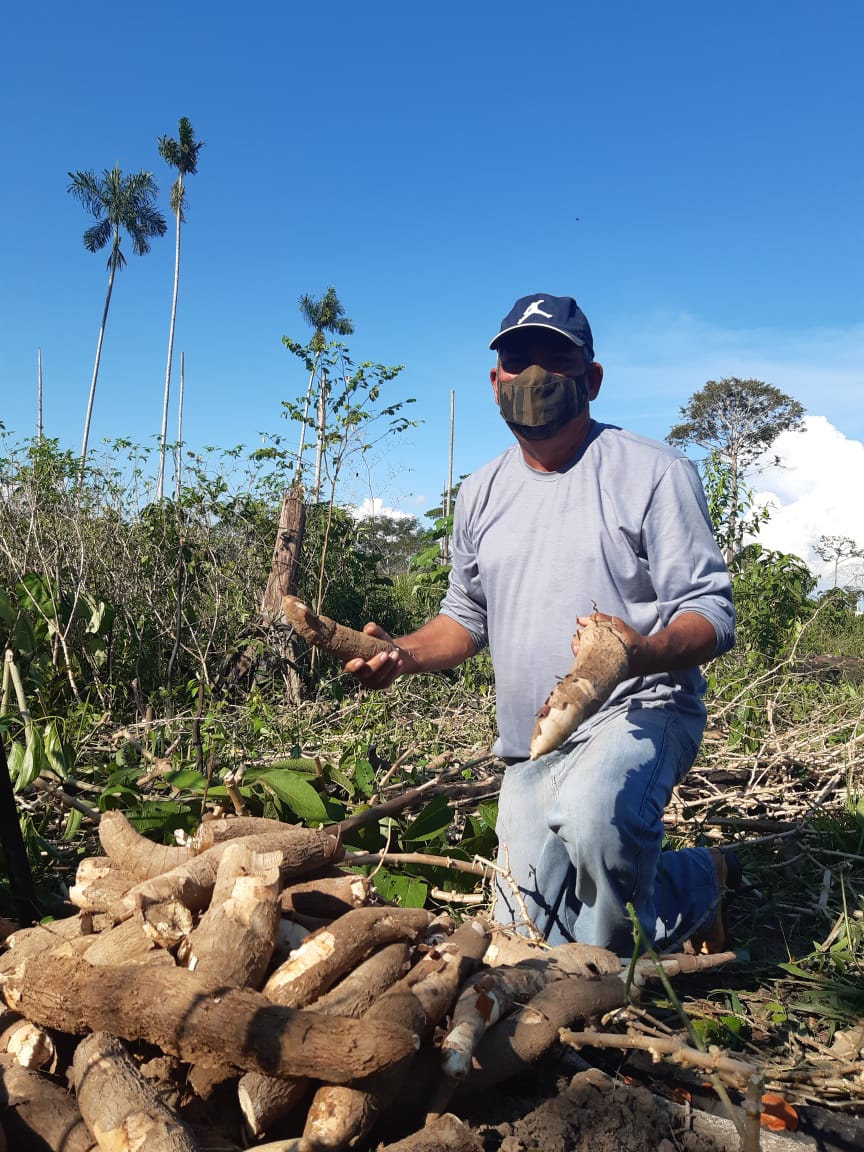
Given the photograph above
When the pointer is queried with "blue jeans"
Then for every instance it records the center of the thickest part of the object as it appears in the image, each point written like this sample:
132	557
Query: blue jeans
580	832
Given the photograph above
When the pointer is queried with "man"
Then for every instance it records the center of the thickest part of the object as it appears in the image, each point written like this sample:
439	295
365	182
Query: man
580	517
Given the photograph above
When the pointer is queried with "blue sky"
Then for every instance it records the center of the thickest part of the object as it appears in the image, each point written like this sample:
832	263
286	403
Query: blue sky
692	173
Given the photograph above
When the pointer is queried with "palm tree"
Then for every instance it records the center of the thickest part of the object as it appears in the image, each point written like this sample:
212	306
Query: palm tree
120	204
181	154
324	315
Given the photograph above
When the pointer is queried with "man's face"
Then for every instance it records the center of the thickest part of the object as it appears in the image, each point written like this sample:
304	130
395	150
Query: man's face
537	406
550	350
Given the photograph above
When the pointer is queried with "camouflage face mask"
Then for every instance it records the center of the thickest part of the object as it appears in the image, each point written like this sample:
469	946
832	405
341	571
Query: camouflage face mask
538	403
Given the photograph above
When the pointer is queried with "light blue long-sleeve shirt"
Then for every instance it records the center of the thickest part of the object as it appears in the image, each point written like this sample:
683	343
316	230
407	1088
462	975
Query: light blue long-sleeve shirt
624	529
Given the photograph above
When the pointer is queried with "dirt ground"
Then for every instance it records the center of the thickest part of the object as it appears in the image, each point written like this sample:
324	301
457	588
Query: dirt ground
566	1105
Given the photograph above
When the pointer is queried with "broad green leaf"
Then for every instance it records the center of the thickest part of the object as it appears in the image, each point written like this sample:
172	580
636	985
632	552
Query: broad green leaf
298	793
33	762
407	891
186	778
489	813
8	611
123	777
24	636
111	798
55	753
15	759
339	777
485	845
302	766
73	824
364	777
162	817
432	821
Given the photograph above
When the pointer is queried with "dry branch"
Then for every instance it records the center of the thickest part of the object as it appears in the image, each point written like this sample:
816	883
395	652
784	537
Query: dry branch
737	1072
199	1021
451	862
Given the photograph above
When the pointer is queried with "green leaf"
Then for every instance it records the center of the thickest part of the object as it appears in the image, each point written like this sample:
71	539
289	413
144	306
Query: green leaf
15	759
407	891
296	792
33	762
73	824
485	845
162	817
23	639
186	778
432	821
55	753
8	612
303	766
489	813
340	778
122	777
364	777
111	798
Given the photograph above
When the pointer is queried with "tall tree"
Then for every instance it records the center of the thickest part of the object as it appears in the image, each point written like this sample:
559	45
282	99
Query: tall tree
838	549
325	314
181	154
119	204
736	421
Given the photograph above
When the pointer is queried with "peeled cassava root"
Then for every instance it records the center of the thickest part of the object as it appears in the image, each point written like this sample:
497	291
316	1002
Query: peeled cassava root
602	662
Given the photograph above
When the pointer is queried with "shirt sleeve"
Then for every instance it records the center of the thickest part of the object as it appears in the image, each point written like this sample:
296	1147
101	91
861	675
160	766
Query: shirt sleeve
465	599
687	567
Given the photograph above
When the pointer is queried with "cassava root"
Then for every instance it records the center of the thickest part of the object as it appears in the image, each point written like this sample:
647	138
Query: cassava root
602	662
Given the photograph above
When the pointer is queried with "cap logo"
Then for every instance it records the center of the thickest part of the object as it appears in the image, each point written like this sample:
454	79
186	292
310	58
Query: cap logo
534	309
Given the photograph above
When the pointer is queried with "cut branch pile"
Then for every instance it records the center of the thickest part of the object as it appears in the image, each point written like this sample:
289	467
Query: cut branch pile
206	1013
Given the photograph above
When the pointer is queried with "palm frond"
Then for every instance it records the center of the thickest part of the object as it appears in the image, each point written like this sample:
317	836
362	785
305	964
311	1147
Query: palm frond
119	203
97	237
85	188
181	154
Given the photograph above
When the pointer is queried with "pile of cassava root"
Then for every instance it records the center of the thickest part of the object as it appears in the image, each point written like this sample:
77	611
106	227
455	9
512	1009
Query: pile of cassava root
243	990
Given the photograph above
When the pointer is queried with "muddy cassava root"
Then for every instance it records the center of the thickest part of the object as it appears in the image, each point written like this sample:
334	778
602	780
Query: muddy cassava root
336	639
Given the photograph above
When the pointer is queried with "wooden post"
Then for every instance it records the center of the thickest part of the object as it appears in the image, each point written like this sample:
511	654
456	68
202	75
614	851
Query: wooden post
282	581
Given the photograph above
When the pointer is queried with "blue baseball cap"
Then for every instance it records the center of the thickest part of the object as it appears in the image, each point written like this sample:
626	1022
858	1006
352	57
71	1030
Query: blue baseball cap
557	313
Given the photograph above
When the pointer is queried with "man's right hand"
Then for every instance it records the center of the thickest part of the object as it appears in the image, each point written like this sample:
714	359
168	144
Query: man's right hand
382	670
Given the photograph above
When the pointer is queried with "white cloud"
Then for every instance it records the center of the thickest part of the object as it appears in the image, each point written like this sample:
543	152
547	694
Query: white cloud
374	506
816	492
658	362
